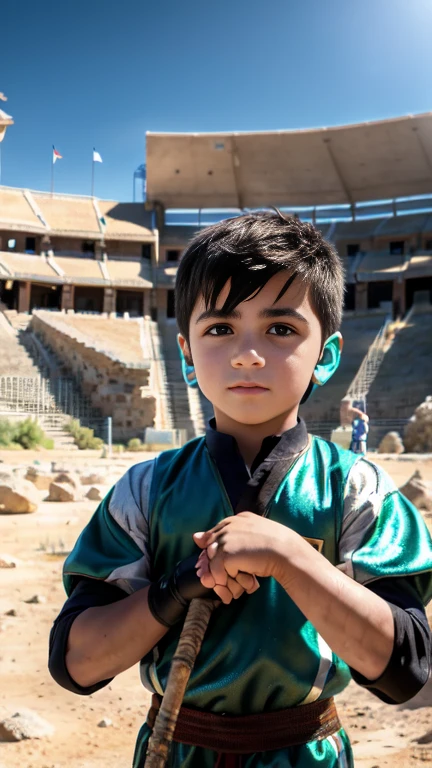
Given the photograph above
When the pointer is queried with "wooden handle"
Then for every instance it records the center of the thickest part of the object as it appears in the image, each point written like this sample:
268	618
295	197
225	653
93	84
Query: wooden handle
188	648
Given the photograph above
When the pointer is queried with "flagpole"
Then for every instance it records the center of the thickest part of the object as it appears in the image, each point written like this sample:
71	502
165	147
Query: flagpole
92	182
52	172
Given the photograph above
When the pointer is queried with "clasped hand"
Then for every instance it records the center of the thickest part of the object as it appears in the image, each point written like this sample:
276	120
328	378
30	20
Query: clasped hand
236	551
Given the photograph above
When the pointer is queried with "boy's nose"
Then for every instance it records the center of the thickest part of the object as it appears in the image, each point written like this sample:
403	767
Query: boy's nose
247	358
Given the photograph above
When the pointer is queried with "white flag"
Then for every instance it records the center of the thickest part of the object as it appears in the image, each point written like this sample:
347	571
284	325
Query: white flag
96	157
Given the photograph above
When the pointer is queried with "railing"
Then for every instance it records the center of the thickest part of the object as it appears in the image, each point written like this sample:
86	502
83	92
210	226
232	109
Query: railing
370	365
40	396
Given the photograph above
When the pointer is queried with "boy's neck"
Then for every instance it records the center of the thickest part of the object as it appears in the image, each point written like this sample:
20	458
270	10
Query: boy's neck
249	437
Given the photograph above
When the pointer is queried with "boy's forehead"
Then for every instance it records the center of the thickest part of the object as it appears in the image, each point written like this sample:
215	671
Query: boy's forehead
295	294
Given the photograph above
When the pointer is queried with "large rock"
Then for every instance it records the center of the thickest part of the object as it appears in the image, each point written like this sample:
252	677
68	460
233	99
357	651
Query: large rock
418	431
391	443
40	479
17	496
25	724
61	492
418	491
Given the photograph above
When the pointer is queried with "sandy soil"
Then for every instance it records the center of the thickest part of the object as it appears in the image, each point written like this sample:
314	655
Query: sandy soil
382	735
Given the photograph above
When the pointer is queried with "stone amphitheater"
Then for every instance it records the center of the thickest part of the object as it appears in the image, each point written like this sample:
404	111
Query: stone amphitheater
129	369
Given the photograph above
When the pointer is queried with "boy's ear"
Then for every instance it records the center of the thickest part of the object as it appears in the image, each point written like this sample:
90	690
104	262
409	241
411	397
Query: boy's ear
188	369
329	360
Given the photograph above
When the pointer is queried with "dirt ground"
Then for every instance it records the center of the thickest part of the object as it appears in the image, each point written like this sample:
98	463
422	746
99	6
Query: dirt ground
382	735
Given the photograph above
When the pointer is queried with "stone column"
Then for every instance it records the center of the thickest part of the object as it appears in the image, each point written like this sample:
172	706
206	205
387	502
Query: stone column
361	296
24	296
146	302
161	303
67	296
398	297
110	298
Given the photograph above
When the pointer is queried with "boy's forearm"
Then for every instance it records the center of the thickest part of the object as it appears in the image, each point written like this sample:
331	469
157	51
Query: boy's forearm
106	640
357	624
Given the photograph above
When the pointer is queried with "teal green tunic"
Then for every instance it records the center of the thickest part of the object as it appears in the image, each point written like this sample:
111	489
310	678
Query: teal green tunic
260	654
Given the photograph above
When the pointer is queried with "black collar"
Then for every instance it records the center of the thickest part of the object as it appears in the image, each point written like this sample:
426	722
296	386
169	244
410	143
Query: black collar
225	453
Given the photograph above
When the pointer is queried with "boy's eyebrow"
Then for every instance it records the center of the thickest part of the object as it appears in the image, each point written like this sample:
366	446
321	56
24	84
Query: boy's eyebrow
271	312
218	314
283	312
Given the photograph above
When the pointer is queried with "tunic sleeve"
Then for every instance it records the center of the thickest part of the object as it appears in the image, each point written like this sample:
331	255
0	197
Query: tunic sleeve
385	545
382	534
113	547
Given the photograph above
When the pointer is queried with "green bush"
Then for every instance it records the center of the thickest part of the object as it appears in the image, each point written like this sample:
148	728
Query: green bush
26	434
6	432
86	440
135	444
84	436
48	443
73	426
118	447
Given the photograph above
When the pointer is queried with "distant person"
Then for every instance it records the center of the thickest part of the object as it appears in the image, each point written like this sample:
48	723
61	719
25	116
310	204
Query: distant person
360	429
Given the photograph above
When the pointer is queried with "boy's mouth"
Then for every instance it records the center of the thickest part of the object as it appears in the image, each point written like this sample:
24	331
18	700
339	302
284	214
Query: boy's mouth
248	388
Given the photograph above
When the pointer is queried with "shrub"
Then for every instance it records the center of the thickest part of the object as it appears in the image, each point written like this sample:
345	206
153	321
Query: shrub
84	436
28	433
6	432
48	443
85	439
135	444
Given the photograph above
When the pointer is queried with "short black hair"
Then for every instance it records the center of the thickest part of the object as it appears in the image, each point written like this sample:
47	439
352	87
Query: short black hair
249	250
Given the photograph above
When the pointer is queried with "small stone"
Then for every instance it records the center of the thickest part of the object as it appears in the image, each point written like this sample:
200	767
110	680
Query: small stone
6	561
95	493
36	599
68	478
39	479
93	479
106	722
425	739
12	612
391	443
61	492
418	491
24	724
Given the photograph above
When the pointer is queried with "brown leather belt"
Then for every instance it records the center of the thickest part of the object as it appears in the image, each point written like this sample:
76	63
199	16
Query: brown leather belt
245	734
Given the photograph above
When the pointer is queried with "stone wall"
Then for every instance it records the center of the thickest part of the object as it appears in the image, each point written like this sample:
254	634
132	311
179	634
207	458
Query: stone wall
117	389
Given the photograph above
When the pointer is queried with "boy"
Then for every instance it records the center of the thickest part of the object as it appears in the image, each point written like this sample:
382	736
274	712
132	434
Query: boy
343	560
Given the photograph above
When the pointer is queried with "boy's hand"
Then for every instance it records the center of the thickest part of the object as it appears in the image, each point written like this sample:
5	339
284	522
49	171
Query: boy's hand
244	543
244	582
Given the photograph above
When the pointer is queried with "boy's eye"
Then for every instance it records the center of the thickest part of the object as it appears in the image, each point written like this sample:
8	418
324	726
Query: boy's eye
280	330
219	330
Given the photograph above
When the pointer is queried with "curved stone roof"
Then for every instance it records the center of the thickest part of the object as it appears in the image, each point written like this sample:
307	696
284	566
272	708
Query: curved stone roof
326	166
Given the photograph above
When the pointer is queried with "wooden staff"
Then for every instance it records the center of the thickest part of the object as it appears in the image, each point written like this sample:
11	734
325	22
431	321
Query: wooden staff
188	648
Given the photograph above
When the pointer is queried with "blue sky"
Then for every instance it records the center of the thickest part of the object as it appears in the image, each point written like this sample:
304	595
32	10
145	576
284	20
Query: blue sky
100	73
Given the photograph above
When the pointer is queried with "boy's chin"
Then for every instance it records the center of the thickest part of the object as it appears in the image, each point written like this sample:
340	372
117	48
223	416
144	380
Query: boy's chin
250	418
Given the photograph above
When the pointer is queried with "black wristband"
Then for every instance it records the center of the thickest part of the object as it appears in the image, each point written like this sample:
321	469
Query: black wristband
169	598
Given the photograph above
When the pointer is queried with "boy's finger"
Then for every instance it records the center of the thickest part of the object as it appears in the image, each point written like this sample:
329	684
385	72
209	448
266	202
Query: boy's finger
247	581
204	574
218	571
207	580
200	538
212	549
235	588
224	593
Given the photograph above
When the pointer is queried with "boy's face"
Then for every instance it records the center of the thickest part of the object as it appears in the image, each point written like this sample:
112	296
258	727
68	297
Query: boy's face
256	364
